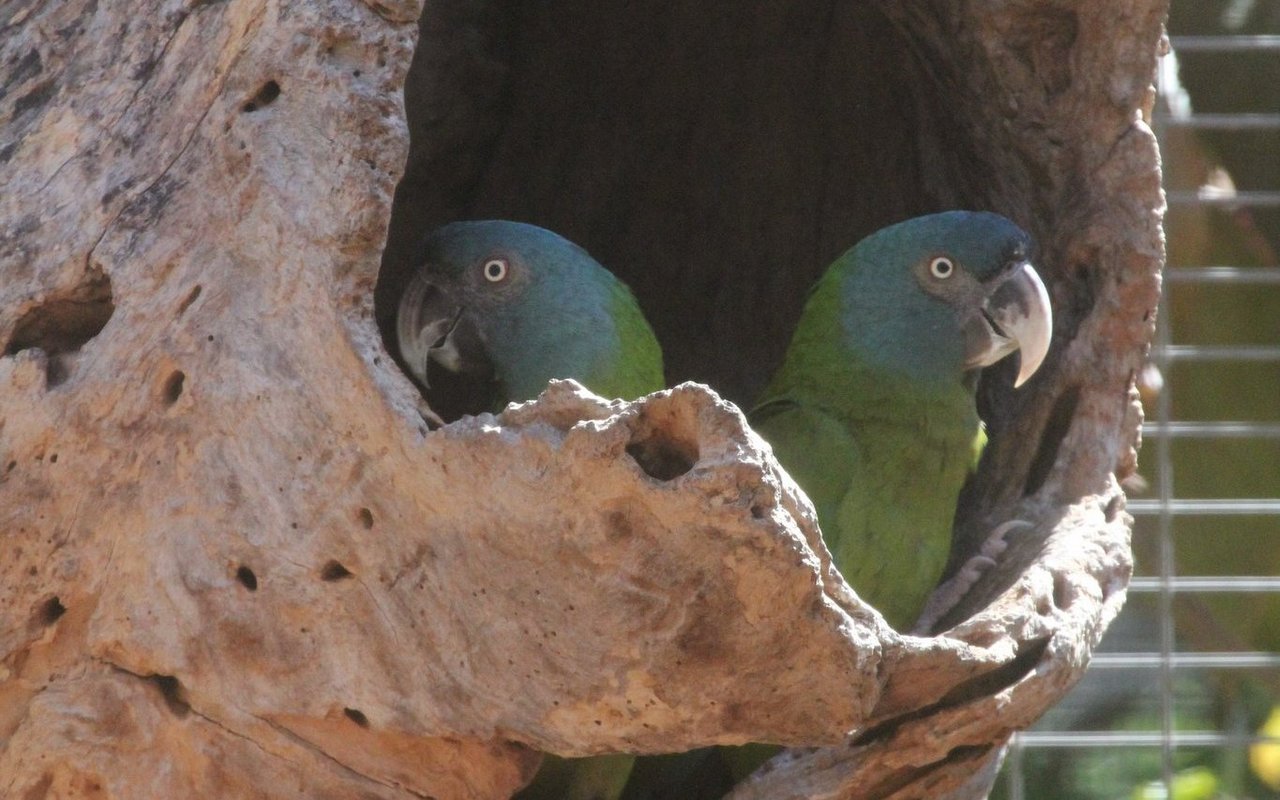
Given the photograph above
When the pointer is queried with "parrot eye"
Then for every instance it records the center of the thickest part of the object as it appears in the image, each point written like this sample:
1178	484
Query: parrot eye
941	267
495	270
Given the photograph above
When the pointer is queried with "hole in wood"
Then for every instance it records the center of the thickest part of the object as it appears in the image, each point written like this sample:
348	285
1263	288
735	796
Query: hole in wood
334	571
173	694
357	716
173	387
64	322
265	96
662	455
50	611
247	579
190	298
664	439
366	518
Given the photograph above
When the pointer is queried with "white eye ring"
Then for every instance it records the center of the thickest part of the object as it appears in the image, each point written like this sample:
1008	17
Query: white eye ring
942	268
495	270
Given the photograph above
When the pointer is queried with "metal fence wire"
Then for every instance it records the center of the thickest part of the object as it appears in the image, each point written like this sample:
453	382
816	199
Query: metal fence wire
1177	701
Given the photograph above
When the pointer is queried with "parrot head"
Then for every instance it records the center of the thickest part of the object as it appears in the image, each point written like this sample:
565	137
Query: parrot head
938	297
519	305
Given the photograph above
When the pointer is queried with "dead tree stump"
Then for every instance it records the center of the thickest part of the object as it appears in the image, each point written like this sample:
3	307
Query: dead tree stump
234	562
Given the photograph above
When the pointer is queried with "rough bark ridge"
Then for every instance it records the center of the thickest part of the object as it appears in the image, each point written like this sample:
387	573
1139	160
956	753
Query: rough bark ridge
234	563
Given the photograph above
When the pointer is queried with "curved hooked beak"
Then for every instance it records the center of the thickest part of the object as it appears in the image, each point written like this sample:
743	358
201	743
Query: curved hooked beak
1015	315
432	326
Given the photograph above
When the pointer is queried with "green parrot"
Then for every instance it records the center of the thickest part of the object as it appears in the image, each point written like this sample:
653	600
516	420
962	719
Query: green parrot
872	411
873	414
515	305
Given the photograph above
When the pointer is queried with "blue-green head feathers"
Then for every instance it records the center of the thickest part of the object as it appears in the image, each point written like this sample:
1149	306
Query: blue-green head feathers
531	304
910	302
897	314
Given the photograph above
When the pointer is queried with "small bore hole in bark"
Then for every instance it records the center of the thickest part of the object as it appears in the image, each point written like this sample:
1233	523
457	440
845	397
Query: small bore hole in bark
366	518
50	611
173	387
357	716
191	298
171	691
334	571
264	97
247	579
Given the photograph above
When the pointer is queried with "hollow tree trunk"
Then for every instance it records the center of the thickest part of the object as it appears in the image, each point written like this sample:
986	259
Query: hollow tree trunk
235	563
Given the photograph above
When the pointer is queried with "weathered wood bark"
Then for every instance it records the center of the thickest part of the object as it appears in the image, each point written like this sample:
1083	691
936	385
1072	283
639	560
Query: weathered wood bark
235	563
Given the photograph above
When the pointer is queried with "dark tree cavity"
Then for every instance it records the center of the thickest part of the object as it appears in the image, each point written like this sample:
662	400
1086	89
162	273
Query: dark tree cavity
716	160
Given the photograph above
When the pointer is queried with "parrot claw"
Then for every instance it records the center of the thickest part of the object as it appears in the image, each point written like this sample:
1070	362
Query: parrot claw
953	590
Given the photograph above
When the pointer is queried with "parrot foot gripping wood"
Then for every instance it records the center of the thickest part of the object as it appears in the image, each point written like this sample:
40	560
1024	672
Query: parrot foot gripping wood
952	591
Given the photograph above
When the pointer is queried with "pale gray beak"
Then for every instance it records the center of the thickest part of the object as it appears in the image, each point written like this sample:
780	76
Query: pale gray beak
1016	316
426	318
432	325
